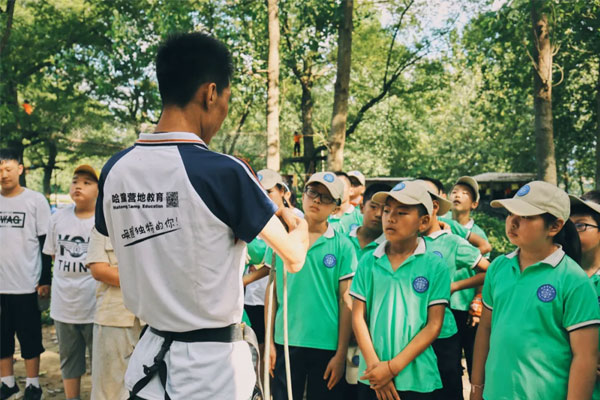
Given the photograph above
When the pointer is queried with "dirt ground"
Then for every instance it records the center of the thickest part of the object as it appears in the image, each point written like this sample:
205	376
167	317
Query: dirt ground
50	378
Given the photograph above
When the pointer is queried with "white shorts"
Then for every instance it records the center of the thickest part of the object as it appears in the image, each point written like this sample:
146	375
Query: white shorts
203	370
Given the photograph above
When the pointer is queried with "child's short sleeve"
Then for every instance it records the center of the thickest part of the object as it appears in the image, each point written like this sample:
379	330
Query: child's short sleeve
348	261
581	307
51	240
467	256
487	296
256	251
440	287
97	249
456	227
360	283
42	217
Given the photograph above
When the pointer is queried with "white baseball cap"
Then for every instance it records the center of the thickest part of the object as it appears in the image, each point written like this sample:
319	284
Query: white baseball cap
269	178
536	198
472	183
331	182
409	193
358	175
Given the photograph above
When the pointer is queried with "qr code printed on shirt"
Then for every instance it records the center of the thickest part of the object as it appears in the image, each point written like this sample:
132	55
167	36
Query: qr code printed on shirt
172	199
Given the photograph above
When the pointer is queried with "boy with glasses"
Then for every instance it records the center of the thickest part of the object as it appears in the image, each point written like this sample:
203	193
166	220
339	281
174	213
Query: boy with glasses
318	301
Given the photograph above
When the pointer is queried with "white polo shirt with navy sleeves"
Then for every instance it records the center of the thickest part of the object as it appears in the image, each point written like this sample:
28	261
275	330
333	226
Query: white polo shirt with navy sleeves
179	216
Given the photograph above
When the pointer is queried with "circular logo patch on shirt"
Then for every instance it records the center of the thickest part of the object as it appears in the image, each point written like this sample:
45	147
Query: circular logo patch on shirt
329	260
260	177
437	253
329	177
420	284
399	187
546	293
523	191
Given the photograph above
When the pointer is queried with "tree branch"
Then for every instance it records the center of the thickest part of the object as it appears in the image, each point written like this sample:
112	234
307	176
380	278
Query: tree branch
396	29
10	10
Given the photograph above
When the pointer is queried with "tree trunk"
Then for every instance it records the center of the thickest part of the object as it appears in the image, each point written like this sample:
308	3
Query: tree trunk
337	135
598	131
273	161
307	106
49	167
542	85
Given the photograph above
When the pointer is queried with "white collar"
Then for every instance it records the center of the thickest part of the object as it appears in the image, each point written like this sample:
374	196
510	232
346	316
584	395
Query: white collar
420	249
350	209
439	233
170	138
330	232
354	232
469	225
553	259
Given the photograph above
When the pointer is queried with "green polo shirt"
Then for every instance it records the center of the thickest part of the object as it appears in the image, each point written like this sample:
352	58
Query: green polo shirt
353	236
397	304
596	282
456	227
462	299
256	251
351	219
532	314
313	292
458	255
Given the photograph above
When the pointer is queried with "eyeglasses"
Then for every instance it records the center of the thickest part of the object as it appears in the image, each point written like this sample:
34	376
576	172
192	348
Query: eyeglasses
324	198
582	227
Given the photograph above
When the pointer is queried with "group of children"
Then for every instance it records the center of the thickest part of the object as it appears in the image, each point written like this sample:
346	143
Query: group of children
395	289
399	285
86	302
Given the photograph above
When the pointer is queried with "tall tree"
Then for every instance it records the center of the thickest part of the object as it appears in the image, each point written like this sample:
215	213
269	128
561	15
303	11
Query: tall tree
337	135
273	87
543	51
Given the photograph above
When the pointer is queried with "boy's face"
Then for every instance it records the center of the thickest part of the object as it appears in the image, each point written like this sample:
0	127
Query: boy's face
462	198
590	238
356	189
401	221
83	188
372	212
321	206
528	231
10	170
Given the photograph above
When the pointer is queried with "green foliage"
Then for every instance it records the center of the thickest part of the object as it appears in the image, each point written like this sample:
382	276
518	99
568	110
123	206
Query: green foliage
495	230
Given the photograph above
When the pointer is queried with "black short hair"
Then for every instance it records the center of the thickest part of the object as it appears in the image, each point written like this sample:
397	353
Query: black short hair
185	61
342	173
10	154
374	188
436	182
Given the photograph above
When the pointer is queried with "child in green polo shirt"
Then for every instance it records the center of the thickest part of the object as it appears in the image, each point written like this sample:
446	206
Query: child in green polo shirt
465	199
585	214
467	268
319	304
347	216
370	234
538	335
400	292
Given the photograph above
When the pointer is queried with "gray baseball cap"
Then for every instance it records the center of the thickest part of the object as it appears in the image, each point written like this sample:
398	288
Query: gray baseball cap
536	198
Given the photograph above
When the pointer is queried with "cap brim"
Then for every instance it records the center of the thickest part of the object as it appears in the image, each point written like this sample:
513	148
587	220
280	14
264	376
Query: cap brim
471	182
381	197
590	204
329	186
518	207
444	204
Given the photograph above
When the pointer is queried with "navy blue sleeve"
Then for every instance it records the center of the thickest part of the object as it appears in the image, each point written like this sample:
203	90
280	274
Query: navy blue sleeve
229	189
100	221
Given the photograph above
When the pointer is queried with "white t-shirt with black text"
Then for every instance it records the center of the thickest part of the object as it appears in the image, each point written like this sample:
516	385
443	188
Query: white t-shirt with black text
73	297
22	219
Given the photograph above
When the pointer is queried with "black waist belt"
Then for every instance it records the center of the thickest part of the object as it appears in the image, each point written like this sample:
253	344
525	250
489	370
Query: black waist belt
228	334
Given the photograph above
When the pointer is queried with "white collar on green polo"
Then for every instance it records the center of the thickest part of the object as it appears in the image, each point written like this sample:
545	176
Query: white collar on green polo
439	233
421	247
330	232
553	259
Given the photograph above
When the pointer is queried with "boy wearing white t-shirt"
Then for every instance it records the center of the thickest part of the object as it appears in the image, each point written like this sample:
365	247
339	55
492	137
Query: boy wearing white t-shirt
73	300
24	275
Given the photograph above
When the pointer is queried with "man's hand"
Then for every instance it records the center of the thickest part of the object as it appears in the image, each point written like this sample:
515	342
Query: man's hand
334	371
288	217
388	392
43	291
378	375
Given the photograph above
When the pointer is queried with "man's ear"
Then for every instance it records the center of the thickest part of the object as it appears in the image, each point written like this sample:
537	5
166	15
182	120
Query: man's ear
206	95
21	169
